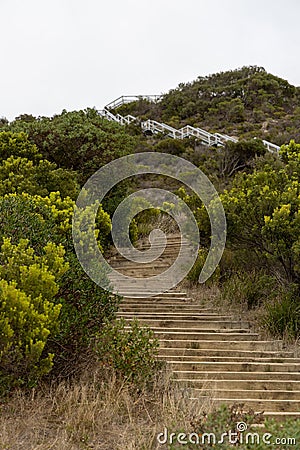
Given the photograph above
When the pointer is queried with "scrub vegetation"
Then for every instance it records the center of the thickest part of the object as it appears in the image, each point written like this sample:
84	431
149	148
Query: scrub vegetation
70	376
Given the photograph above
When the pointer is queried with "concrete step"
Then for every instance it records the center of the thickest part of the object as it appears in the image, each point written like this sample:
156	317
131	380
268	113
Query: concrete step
238	384
231	366
237	375
180	352
217	344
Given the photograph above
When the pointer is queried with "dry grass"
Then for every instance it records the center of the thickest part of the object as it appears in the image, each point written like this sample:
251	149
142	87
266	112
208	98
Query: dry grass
209	296
96	412
202	294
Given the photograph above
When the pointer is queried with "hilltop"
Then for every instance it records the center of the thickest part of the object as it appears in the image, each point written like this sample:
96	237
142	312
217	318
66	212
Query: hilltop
245	102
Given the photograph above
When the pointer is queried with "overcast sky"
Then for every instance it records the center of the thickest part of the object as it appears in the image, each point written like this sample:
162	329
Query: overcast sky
70	54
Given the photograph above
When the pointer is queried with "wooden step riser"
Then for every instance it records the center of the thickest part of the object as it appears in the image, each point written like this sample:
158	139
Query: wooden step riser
234	366
213	353
157	246
257	405
161	301
163	296
145	268
156	308
191	324
165	259
139	272
202	336
141	293
240	385
164	254
221	345
167	304
178	316
225	359
218	375
219	354
247	394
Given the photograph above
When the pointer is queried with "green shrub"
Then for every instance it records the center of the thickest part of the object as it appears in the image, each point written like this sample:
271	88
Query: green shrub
171	146
146	221
282	316
250	289
22	169
130	352
133	231
84	305
238	261
28	314
262	211
18	145
194	273
226	418
79	140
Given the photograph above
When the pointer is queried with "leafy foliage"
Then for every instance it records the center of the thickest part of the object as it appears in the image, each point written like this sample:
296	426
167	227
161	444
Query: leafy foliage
84	304
22	169
263	214
130	352
194	273
246	102
281	317
249	289
18	145
28	314
80	140
225	419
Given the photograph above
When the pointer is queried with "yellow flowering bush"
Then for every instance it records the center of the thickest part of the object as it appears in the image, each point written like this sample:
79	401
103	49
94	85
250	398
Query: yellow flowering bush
28	313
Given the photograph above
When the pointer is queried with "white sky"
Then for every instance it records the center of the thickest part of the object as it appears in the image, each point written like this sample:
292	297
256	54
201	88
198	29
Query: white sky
70	54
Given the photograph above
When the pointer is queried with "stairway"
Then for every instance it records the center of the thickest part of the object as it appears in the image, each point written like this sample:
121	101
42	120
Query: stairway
151	127
213	353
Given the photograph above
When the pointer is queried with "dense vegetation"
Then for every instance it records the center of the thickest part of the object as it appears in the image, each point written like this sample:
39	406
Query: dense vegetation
52	314
259	190
246	102
50	310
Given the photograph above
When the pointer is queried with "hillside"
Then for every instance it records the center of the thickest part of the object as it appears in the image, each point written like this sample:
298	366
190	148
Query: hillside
246	102
75	369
